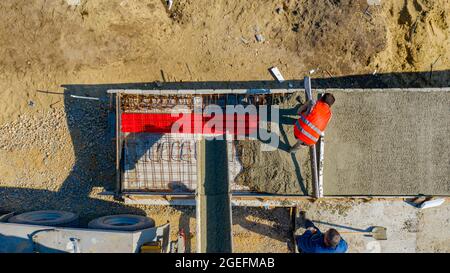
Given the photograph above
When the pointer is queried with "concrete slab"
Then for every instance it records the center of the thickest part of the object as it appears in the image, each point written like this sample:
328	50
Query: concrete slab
409	229
389	142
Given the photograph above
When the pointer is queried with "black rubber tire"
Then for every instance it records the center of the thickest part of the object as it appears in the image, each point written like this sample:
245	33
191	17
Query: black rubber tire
122	222
53	218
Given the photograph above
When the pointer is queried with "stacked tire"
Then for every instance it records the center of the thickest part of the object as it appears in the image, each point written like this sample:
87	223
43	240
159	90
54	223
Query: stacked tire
58	218
53	218
122	222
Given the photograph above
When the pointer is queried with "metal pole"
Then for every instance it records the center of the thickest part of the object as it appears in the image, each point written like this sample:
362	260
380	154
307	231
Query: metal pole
321	159
118	146
312	149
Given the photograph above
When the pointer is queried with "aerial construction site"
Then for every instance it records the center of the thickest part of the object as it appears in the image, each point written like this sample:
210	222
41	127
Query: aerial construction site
115	124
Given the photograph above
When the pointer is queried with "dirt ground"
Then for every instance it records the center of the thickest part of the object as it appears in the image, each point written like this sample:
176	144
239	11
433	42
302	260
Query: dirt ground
52	149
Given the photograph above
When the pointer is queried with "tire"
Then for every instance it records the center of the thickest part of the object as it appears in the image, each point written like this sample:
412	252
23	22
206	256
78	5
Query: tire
54	218
122	222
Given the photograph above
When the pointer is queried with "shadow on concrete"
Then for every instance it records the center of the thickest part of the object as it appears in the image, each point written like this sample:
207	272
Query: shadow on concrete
369	229
286	119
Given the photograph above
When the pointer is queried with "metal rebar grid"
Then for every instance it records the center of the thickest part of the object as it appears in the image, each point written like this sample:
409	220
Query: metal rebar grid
156	103
159	162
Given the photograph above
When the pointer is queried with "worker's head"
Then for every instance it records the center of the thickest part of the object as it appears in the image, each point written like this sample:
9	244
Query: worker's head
332	238
328	98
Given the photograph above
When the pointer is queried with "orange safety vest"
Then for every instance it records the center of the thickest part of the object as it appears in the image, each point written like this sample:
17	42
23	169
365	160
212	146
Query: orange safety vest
309	128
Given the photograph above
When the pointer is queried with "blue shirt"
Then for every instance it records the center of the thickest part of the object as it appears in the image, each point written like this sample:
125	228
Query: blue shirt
310	242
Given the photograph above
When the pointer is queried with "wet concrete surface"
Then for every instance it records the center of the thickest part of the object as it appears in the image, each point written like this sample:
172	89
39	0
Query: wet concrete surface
388	143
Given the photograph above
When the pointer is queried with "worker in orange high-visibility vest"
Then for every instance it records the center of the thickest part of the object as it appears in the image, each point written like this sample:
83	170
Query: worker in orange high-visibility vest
312	122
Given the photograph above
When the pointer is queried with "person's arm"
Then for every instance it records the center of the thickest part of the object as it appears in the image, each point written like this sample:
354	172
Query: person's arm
314	230
342	247
304	107
304	241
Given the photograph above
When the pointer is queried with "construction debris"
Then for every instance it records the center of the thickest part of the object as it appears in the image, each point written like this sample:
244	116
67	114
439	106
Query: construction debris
84	97
73	2
277	74
374	2
259	38
245	41
432	203
169	4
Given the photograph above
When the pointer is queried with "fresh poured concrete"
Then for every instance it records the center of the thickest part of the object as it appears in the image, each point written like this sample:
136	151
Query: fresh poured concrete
388	142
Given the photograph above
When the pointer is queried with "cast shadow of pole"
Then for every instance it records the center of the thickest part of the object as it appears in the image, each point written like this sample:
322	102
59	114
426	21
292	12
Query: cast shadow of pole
342	226
285	119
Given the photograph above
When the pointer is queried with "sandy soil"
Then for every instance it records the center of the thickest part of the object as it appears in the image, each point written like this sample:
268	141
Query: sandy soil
417	36
47	44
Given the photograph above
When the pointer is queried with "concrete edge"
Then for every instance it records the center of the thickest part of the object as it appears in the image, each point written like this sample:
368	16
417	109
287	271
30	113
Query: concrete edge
265	91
